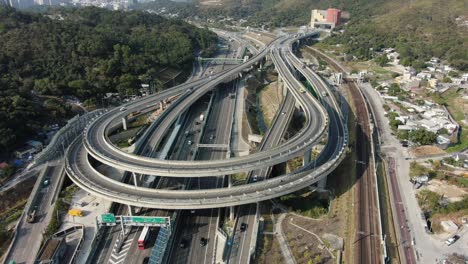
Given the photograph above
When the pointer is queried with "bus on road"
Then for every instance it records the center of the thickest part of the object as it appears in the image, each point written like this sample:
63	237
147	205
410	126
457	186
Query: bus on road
143	237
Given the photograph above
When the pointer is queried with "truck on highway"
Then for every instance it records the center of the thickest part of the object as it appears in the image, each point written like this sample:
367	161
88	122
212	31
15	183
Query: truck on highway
202	116
31	217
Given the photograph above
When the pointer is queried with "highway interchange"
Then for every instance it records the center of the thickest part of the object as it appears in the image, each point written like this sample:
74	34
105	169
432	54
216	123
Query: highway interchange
315	127
323	119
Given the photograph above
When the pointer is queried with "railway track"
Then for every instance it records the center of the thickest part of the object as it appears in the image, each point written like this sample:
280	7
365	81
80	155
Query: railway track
367	247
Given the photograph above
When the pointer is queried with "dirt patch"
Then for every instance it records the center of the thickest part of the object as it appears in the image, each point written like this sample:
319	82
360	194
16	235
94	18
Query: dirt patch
451	192
264	39
304	245
456	217
426	151
270	97
211	3
268	250
20	192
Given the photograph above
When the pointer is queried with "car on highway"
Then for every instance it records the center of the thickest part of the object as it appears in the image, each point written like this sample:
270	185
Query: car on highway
255	178
243	227
452	240
203	241
283	113
212	137
123	108
189	142
31	217
183	243
46	182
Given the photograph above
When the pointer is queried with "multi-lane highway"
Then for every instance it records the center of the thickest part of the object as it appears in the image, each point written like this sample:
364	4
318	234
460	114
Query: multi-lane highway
314	128
203	177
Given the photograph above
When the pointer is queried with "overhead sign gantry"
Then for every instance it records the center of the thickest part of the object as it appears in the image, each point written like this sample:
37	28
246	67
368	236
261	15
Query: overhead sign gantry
125	220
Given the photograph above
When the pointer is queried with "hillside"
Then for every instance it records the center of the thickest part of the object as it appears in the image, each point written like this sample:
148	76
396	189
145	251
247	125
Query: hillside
85	53
418	30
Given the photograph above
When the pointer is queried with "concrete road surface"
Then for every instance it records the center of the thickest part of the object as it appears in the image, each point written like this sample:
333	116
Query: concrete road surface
29	235
429	248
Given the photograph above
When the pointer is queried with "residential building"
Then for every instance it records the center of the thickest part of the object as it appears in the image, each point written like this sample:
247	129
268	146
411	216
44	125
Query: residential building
424	75
433	82
334	16
408	73
326	19
35	144
25	152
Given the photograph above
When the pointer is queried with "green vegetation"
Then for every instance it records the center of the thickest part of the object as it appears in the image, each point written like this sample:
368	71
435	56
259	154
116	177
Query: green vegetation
422	137
417	30
382	60
456	105
310	204
60	209
416	169
86	53
7	172
433	202
7	218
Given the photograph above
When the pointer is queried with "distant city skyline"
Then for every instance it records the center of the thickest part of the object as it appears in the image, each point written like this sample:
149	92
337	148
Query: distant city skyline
111	4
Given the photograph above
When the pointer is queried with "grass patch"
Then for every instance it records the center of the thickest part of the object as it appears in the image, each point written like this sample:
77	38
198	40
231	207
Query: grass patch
294	163
310	204
60	209
12	214
387	220
456	105
417	169
239	178
460	182
123	144
431	201
140	121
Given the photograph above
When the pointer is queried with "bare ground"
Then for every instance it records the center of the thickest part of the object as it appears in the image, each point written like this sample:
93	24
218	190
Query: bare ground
451	192
426	150
305	246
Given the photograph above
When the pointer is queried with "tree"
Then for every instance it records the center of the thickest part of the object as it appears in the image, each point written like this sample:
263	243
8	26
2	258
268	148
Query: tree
382	60
447	79
394	89
422	137
442	131
453	74
89	53
8	171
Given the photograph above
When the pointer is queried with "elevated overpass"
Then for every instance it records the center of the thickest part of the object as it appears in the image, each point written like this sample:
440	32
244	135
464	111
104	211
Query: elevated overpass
95	142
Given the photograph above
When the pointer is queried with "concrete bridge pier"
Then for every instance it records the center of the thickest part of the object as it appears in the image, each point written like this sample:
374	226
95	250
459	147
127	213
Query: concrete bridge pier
231	208
307	158
124	122
322	183
131	210
136	180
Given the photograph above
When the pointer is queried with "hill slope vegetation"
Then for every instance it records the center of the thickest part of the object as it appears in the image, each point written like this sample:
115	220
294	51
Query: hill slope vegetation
82	52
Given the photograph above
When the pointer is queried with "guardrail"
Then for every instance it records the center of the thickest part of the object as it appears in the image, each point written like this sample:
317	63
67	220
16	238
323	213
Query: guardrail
26	210
252	191
65	136
64	233
373	128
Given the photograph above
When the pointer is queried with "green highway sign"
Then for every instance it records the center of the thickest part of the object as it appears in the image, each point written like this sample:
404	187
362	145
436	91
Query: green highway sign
149	220
145	220
108	218
112	220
